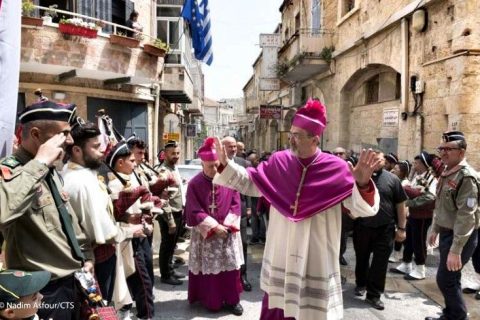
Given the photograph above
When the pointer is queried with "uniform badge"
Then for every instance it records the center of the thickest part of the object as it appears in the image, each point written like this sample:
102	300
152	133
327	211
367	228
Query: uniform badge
471	202
452	184
6	173
11	162
19	274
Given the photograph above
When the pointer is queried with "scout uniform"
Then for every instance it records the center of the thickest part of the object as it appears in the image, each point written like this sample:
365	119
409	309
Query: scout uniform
130	200
169	241
456	219
40	228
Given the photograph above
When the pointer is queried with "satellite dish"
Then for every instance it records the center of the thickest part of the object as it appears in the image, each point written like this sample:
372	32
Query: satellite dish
171	123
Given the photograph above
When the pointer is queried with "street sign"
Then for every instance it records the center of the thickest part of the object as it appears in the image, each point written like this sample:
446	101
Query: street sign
270	112
270	40
171	136
390	117
191	130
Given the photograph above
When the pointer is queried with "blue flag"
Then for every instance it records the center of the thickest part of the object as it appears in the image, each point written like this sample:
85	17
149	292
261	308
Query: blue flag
197	14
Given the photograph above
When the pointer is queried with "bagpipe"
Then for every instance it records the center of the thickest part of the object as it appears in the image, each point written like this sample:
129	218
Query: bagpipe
151	197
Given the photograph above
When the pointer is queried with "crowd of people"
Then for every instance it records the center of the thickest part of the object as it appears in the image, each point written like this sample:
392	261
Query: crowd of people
76	200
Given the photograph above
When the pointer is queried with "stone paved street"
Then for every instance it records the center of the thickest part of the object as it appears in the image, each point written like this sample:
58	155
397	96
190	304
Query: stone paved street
403	300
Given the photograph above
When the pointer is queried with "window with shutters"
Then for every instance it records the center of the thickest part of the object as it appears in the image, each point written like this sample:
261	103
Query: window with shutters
316	16
169	29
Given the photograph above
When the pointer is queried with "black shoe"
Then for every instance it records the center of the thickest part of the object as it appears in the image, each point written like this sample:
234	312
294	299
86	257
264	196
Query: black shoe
180	240
376	303
235	309
245	284
434	318
177	274
360	291
469	290
172	281
254	242
343	261
178	260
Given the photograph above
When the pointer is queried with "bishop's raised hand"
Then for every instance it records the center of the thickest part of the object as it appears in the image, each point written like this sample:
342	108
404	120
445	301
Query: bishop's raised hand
221	153
367	163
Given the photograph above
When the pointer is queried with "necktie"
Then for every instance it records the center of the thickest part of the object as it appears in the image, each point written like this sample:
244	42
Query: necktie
65	217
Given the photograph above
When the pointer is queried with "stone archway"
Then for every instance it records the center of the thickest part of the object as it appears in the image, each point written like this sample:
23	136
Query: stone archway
369	109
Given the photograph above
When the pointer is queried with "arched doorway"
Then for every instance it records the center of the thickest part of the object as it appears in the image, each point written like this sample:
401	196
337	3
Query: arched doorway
369	109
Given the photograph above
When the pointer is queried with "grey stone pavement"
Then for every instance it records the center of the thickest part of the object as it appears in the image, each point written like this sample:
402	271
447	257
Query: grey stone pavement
403	300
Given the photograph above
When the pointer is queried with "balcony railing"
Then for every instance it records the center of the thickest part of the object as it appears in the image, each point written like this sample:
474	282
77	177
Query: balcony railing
100	22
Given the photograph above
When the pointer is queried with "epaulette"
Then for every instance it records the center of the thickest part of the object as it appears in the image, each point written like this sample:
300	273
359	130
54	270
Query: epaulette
11	162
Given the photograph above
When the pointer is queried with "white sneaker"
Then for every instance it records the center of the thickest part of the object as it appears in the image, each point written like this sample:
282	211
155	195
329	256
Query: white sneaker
124	315
418	273
392	258
403	268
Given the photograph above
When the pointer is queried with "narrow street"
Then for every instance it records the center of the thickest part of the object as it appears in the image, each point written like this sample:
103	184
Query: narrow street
403	300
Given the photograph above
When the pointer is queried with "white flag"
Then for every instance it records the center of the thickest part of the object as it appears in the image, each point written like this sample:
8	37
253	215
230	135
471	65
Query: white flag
10	32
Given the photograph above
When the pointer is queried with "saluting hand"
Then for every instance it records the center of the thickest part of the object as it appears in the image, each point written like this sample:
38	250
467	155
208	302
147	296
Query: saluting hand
51	150
367	162
221	153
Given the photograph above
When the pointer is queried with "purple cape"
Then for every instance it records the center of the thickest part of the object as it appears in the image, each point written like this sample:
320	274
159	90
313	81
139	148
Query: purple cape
199	198
328	182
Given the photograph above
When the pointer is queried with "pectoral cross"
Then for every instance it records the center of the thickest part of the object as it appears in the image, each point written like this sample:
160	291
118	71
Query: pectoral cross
213	206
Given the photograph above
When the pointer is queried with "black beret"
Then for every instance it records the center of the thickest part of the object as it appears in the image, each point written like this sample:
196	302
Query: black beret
48	110
453	136
120	149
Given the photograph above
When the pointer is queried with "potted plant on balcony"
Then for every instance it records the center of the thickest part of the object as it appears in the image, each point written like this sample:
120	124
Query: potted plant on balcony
27	14
78	27
156	48
122	40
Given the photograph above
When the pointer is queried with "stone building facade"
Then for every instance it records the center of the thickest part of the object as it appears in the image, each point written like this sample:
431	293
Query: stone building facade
136	88
395	74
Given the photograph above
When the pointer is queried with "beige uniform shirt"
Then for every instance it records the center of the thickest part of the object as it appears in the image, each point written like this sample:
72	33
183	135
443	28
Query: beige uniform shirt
175	197
456	207
30	221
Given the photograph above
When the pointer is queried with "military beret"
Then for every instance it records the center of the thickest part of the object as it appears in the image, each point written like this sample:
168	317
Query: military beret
121	149
48	110
392	158
453	136
15	284
171	144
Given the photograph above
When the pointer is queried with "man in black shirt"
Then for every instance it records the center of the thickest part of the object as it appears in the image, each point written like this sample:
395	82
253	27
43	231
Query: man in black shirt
376	235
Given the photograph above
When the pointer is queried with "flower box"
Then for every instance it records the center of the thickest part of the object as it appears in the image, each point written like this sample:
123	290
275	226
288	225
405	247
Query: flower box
154	51
124	41
74	30
32	21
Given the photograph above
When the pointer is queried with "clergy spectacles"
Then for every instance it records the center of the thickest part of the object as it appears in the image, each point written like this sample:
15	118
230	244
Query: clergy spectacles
446	149
297	135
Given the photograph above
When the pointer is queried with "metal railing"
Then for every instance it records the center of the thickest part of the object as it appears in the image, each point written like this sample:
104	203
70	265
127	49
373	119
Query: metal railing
98	21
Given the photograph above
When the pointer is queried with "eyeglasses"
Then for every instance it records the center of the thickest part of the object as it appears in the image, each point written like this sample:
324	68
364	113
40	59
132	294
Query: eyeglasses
297	135
446	149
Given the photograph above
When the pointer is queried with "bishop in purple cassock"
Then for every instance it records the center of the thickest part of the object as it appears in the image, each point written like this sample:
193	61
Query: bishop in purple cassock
300	269
216	253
